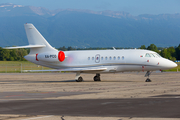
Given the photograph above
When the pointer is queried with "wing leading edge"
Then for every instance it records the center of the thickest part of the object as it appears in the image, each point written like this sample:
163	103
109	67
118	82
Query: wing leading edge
84	69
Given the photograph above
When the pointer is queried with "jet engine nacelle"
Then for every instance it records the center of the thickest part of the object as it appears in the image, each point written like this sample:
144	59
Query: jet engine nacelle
51	56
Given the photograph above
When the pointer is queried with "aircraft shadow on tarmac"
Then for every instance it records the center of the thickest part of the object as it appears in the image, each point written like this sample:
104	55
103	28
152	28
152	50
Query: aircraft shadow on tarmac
28	81
64	81
82	81
131	107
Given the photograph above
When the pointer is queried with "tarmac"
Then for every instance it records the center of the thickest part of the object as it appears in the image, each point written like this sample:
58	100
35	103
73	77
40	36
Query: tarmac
120	96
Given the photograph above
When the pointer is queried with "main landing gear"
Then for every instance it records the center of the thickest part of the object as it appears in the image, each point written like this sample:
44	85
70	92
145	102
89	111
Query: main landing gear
78	78
147	75
97	77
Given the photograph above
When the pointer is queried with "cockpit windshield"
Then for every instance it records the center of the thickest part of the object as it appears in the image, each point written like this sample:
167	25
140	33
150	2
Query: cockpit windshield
152	55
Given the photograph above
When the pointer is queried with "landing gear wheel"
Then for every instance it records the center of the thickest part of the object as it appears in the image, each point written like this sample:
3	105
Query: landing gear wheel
80	79
97	78
148	80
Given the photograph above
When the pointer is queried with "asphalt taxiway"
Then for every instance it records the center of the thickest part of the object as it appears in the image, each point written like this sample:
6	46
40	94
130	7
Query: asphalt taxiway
120	96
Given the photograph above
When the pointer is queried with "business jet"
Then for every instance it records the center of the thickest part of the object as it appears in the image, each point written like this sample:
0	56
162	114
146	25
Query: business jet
91	61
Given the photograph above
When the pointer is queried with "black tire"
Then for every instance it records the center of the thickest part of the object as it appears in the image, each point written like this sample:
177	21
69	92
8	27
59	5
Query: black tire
80	79
148	80
97	78
97	74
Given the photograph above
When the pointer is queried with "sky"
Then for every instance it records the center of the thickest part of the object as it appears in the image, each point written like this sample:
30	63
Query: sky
134	7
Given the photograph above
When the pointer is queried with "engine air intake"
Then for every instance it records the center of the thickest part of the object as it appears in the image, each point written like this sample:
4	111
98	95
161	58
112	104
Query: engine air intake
61	56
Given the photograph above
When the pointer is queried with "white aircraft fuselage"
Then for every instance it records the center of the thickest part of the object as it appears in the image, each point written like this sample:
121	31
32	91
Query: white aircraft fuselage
113	60
91	61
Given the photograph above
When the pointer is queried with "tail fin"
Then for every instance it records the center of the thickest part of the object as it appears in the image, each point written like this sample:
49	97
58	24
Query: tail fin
35	38
37	43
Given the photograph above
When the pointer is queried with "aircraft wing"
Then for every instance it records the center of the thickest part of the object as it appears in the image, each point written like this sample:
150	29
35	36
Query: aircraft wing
83	69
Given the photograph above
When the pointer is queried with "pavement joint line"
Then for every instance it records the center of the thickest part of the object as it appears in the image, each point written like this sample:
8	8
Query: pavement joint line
38	117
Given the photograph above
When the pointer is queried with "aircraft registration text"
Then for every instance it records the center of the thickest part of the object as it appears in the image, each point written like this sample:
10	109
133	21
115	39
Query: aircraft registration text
50	56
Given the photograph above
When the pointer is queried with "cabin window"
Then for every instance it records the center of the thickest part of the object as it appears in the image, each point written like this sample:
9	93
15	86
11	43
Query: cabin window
92	58
110	58
122	57
106	58
118	57
88	58
114	58
101	58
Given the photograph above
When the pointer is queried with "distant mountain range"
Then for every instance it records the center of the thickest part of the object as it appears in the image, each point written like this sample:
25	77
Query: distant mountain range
85	28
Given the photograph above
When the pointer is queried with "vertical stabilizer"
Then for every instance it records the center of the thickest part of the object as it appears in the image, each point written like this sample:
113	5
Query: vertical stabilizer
35	38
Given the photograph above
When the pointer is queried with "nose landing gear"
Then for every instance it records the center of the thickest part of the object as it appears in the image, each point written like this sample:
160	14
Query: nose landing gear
148	80
147	75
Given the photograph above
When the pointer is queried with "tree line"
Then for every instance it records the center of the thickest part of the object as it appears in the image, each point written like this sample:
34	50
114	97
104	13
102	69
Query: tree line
13	54
172	53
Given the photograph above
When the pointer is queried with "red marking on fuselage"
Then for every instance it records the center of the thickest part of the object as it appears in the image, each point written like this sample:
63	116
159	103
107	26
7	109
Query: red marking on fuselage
36	57
143	68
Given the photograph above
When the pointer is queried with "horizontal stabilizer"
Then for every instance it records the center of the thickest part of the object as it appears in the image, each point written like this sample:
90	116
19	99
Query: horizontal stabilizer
86	69
27	46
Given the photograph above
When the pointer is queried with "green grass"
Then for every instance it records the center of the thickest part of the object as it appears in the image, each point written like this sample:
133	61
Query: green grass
15	66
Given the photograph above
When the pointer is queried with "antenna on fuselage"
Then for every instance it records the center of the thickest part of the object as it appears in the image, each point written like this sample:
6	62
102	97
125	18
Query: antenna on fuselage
114	48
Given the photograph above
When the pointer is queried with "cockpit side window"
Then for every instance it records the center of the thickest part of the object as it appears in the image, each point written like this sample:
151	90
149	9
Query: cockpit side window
156	55
152	55
147	55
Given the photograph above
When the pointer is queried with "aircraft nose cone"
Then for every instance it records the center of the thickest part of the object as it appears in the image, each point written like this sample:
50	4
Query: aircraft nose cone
174	64
170	64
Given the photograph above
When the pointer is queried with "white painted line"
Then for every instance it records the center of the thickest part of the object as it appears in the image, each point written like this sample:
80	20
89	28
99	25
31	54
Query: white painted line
38	117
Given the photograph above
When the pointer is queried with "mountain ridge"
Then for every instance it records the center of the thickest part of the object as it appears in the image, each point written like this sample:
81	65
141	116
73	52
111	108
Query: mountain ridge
86	28
115	14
